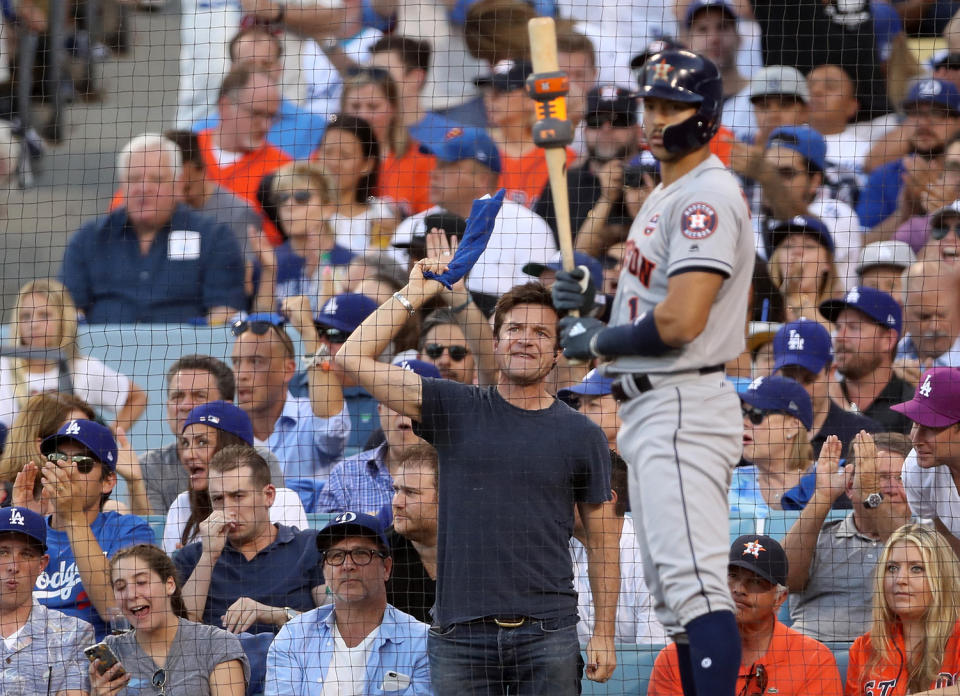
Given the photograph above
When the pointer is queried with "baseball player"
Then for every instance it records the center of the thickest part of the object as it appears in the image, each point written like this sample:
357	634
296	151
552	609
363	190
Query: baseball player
677	317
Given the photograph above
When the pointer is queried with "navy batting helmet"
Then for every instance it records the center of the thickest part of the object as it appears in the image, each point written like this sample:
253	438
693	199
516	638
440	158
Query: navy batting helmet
684	76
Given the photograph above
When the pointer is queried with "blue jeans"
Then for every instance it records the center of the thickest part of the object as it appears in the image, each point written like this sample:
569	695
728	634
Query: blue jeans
483	659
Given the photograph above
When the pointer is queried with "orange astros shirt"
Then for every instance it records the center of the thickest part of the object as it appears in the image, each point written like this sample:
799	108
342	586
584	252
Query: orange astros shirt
889	678
796	665
525	176
405	181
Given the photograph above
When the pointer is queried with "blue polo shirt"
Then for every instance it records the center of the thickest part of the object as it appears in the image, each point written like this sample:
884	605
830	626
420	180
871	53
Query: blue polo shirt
297	131
878	198
281	575
59	586
194	264
307	445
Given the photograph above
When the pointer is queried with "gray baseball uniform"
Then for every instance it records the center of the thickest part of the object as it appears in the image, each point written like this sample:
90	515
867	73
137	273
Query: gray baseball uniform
683	437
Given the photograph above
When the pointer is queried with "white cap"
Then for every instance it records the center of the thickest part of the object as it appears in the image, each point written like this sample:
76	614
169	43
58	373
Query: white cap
779	80
897	254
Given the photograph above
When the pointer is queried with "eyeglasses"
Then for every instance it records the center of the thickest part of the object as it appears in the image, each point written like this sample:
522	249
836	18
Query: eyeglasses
360	557
159	680
300	196
333	335
597	119
939	233
84	464
757	673
435	350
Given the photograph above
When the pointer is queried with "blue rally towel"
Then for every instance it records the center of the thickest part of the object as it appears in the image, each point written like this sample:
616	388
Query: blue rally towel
483	215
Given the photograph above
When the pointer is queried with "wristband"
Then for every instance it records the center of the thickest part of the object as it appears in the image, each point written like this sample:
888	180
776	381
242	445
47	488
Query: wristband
318	359
639	338
405	302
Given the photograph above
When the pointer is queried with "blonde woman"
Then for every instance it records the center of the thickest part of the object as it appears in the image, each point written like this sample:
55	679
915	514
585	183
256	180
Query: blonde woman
802	266
777	416
45	317
913	646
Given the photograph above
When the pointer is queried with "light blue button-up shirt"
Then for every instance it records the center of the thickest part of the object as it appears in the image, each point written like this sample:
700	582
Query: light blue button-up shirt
300	655
306	445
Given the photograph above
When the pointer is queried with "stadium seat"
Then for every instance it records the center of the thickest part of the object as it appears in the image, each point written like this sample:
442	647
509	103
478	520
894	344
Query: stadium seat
841	651
157	523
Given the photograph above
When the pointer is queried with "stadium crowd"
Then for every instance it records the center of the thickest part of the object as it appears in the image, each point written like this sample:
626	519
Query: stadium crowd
391	479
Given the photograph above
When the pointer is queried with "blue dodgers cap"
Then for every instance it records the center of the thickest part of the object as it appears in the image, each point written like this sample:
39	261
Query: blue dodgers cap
780	394
801	224
876	304
933	91
506	76
345	312
463	144
23	521
592	384
420	367
698	5
95	437
802	343
352	524
804	140
555	263
224	416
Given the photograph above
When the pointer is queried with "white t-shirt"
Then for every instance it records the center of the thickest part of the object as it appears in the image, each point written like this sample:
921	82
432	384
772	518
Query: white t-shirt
355	233
847	232
323	82
286	509
519	237
100	386
636	621
931	493
738	116
347	672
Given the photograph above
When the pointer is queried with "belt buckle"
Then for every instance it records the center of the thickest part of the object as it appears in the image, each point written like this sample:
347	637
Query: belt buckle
510	624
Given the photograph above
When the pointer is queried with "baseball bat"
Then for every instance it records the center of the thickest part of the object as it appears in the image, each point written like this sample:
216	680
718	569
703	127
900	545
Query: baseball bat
549	87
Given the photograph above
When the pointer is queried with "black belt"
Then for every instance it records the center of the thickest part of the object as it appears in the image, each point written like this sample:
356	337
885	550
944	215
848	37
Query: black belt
503	621
632	385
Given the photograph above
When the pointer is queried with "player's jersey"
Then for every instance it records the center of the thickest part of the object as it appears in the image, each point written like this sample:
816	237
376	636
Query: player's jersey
699	222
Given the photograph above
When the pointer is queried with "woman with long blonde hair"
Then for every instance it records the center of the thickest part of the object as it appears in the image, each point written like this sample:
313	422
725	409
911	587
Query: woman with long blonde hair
44	318
913	646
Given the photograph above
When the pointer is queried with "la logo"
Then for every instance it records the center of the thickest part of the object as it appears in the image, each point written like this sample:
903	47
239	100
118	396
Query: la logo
16	517
795	342
72	429
926	387
331	306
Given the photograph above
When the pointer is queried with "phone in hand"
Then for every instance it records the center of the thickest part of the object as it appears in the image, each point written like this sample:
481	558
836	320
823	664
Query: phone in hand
102	652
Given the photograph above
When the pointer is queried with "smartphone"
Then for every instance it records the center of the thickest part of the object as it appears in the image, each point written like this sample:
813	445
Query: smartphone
102	652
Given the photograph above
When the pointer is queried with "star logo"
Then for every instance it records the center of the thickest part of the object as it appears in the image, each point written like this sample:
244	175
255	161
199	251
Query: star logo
661	71
753	548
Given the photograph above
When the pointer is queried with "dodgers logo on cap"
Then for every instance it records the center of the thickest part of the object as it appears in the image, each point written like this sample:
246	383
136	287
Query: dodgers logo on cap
929	88
16	518
72	429
345	517
926	389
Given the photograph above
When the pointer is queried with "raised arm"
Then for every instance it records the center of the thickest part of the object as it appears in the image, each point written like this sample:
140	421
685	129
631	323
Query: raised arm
326	394
393	386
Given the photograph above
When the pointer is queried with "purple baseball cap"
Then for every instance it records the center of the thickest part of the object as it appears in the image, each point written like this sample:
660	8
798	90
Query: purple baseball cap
936	402
803	343
224	416
95	437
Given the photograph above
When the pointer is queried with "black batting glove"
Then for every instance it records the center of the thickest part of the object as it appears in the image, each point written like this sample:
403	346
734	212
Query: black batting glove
576	336
574	290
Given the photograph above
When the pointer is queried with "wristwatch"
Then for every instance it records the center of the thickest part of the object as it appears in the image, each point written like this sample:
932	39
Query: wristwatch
320	358
329	44
291	614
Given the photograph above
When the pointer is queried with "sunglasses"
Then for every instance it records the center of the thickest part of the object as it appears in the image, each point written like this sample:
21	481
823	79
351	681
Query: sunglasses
258	327
84	464
939	233
756	415
360	557
334	335
159	680
435	350
596	120
300	196
758	674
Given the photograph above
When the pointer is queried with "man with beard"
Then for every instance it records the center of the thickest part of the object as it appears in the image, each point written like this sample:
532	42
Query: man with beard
868	326
931	332
610	136
932	107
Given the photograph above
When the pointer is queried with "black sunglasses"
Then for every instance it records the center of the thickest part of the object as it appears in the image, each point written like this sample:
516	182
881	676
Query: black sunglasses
333	335
616	120
300	196
159	680
258	327
939	233
435	350
84	464
756	415
759	673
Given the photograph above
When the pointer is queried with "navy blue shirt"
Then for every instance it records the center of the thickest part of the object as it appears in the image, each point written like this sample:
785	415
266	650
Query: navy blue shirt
845	425
193	265
281	575
508	482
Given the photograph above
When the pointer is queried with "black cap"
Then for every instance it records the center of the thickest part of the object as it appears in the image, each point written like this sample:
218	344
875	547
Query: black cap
612	100
506	76
452	226
761	554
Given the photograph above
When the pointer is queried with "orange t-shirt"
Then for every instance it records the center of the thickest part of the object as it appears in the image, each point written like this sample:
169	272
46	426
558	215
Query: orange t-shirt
796	665
243	176
722	144
525	176
405	181
889	678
